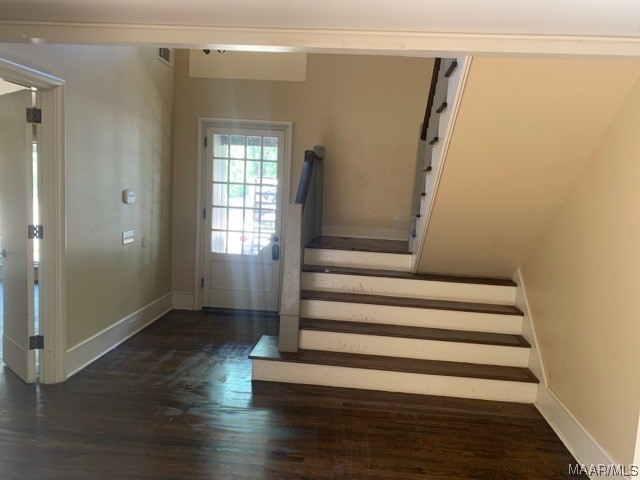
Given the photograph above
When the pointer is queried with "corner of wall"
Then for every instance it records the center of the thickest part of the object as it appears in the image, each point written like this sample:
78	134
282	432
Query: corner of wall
580	443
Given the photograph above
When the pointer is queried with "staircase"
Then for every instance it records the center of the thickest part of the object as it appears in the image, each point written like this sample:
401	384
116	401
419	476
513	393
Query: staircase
367	323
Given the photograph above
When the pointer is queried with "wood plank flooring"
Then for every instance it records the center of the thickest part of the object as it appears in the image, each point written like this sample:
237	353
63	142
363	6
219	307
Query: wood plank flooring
176	402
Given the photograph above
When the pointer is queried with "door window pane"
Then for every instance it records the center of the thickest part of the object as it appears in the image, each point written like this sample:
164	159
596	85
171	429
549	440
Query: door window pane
236	195
254	148
235	219
251	223
269	172
237	146
270	150
220	170
237	171
234	244
221	146
219	218
253	172
220	194
268	197
218	242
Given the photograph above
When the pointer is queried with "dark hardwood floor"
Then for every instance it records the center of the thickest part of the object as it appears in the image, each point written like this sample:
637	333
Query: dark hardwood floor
176	402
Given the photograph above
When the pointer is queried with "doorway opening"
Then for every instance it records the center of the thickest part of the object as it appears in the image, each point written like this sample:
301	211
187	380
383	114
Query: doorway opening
32	287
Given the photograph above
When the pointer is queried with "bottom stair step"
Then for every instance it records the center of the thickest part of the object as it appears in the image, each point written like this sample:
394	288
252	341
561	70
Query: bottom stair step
371	372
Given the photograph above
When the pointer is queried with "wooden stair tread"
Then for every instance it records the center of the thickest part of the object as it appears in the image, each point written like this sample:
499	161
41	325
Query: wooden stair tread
400	331
409	276
267	349
360	245
410	302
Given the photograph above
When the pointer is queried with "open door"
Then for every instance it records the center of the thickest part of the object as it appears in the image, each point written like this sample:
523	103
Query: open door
16	250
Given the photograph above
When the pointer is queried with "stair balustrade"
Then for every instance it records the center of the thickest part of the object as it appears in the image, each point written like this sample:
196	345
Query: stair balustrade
444	92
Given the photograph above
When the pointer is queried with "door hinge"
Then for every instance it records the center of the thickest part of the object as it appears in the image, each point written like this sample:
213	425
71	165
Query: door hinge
36	342
204	213
206	142
35	231
202	283
34	115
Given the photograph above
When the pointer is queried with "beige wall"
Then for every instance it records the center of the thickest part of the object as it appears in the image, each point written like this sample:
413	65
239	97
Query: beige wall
118	135
524	131
364	109
582	285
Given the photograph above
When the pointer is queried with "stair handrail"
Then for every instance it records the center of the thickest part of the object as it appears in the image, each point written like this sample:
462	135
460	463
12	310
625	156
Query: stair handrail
303	222
432	93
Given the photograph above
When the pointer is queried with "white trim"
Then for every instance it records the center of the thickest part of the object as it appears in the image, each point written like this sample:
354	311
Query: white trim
412	43
426	207
393	381
53	215
573	434
528	329
53	298
182	300
96	346
203	123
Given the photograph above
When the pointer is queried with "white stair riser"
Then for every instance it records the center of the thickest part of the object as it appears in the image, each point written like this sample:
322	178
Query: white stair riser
400	287
346	258
412	317
389	381
414	348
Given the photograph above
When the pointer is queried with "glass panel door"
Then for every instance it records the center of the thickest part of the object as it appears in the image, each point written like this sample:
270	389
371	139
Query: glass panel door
244	170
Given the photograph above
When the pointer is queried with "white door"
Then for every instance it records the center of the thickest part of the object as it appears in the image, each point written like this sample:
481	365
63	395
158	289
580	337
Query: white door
244	175
16	187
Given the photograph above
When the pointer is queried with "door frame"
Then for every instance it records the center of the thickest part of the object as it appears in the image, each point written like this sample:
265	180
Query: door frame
203	124
53	215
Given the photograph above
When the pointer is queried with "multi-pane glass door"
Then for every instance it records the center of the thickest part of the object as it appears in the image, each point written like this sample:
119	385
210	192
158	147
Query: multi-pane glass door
243	192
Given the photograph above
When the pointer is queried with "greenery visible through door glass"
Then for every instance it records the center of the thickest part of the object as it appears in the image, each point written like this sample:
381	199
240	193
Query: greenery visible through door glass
236	171
269	172
237	146
270	148
254	148
236	195
253	172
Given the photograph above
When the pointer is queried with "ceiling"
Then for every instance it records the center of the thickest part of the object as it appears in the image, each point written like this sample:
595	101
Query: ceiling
617	18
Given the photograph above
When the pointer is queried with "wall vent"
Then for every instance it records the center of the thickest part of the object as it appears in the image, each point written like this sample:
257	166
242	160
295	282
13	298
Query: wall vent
166	55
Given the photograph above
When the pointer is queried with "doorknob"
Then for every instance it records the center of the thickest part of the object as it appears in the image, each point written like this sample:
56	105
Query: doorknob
275	251
275	239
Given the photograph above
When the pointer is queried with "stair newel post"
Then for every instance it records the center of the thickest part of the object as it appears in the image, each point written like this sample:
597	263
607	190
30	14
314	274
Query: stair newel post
292	251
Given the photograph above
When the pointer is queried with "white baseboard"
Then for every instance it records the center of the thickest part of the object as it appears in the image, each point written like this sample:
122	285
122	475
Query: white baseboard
367	232
182	300
571	432
574	435
94	347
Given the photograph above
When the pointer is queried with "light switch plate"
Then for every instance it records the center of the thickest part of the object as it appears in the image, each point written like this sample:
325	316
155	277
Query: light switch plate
128	237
